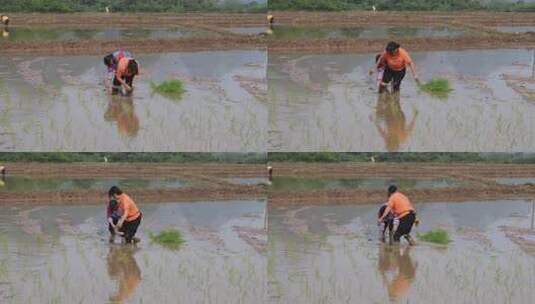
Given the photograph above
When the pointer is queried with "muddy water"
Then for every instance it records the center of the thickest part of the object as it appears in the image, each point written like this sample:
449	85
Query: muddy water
303	184
36	33
293	32
329	103
19	184
331	255
516	29
59	103
516	180
61	255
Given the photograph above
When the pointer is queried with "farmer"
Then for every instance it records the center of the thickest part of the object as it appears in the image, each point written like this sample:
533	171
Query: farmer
395	129
403	210
395	59
130	217
4	19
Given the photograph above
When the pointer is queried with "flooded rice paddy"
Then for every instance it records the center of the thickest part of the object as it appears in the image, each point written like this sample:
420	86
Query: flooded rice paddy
60	104
38	33
247	30
304	184
246	251
20	184
329	102
61	255
330	254
295	32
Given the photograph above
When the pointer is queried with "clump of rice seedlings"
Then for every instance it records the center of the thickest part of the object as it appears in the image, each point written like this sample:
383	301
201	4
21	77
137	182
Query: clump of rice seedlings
172	89
169	238
437	236
439	87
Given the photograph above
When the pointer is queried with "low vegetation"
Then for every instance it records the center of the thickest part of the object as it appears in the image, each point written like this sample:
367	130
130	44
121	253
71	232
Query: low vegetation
169	238
172	89
439	87
437	236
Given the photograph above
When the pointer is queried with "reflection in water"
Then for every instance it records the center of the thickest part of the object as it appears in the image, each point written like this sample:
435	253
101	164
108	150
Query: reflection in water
395	131
121	109
397	270
5	32
122	267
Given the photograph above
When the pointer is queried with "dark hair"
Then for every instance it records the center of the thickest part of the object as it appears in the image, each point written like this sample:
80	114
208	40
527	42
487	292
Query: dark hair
377	57
132	67
392	189
114	190
108	60
392	46
113	204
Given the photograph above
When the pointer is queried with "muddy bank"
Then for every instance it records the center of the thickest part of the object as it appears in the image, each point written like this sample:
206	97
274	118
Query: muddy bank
358	196
344	45
421	170
138	46
212	182
84	20
316	46
145	170
85	197
401	18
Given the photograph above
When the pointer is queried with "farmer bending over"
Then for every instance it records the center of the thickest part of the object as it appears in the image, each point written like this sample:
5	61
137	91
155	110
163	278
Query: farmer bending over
395	59
130	217
402	208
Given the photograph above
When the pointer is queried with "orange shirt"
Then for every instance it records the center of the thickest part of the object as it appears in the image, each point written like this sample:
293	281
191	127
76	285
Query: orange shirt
400	204
129	207
122	67
397	62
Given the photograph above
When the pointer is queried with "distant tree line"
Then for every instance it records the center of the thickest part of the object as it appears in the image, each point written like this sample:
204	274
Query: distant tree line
262	158
171	157
65	6
400	5
445	157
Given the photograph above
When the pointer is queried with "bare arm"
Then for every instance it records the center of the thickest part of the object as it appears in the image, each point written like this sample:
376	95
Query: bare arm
121	220
387	210
412	67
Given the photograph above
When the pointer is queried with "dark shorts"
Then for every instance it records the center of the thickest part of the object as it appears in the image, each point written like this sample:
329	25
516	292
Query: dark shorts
394	76
116	84
405	226
130	228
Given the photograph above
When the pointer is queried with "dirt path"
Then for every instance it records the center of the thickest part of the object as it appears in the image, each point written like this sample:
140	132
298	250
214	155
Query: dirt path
210	183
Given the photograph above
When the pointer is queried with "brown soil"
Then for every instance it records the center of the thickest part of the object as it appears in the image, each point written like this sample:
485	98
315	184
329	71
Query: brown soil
366	18
210	183
129	20
483	35
344	45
